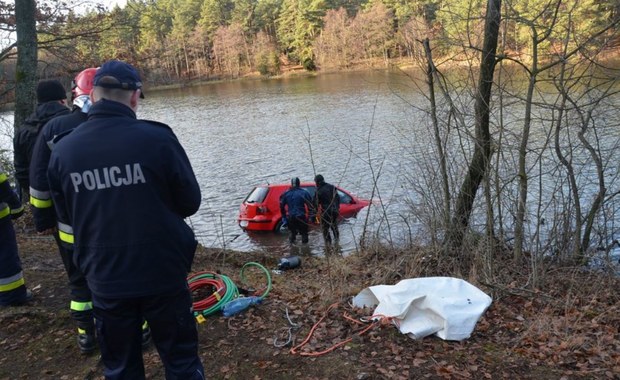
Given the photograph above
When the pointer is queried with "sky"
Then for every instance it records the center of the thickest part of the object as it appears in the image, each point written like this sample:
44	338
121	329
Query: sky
108	3
112	3
7	38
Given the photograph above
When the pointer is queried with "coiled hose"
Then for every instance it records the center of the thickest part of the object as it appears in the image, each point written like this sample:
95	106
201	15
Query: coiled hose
221	289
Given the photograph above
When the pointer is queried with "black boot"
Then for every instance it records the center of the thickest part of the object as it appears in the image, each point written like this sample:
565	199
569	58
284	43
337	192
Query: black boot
87	342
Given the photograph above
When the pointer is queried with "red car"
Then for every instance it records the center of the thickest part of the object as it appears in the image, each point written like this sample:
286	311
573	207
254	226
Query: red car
260	211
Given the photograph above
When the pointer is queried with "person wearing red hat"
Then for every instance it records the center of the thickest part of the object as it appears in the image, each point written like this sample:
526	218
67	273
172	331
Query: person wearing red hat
44	215
51	97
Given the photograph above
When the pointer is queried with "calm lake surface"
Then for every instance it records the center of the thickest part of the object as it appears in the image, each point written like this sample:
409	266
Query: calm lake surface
239	134
243	133
357	129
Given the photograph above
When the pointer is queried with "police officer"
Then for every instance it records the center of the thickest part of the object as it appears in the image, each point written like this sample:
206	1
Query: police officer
122	204
51	96
43	210
295	206
327	202
13	291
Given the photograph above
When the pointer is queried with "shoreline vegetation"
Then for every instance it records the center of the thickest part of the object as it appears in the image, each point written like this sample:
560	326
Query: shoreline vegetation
568	329
293	72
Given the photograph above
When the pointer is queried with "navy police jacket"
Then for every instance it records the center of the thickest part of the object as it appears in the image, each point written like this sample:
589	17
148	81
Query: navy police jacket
40	199
121	188
296	201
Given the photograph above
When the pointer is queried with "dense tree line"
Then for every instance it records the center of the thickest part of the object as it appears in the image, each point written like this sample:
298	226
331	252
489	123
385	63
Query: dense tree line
524	137
200	39
178	40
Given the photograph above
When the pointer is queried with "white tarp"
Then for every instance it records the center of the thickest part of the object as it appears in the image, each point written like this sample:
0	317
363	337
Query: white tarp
444	306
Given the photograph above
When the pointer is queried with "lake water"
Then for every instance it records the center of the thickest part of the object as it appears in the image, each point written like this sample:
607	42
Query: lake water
359	130
240	134
243	133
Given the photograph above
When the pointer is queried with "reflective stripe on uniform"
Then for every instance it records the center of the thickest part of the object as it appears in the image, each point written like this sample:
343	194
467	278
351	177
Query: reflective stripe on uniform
13	282
40	199
81	306
65	232
4	210
17	210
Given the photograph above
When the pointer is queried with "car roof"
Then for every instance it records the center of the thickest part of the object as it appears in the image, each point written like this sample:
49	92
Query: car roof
272	185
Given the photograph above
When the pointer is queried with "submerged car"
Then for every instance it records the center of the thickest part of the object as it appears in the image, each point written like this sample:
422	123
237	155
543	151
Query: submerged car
260	211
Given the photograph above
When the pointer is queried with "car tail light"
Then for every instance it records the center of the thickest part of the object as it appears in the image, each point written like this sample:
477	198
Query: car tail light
261	210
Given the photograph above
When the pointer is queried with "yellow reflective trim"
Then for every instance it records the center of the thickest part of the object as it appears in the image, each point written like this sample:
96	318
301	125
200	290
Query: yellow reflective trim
145	325
4	212
67	238
12	285
65	227
39	203
81	331
17	210
3	177
81	306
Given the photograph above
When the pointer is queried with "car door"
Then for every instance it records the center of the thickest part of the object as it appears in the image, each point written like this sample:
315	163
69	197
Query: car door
348	206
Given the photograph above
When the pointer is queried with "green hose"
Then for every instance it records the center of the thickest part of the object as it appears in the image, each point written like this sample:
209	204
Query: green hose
267	276
217	300
213	303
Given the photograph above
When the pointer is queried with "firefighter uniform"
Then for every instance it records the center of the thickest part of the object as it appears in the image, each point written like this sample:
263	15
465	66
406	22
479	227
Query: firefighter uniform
122	188
45	218
49	95
12	288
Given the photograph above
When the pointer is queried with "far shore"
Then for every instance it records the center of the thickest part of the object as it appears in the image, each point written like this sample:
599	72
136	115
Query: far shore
286	73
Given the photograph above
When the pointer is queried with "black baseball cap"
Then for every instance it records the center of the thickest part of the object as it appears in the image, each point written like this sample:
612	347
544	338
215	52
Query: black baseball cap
127	77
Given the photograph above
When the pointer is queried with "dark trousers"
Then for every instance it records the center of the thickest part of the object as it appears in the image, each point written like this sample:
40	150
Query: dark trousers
81	298
297	225
173	327
329	222
12	288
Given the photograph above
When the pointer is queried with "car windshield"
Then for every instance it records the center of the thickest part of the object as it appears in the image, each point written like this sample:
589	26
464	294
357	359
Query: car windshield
257	195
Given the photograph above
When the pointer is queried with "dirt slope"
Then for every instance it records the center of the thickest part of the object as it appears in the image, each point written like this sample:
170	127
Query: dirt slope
559	334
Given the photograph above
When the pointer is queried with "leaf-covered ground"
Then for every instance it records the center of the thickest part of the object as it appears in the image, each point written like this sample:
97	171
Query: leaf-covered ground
569	330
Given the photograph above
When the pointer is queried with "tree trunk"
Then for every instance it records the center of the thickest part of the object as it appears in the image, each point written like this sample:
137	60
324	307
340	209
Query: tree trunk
482	151
26	70
522	170
431	72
